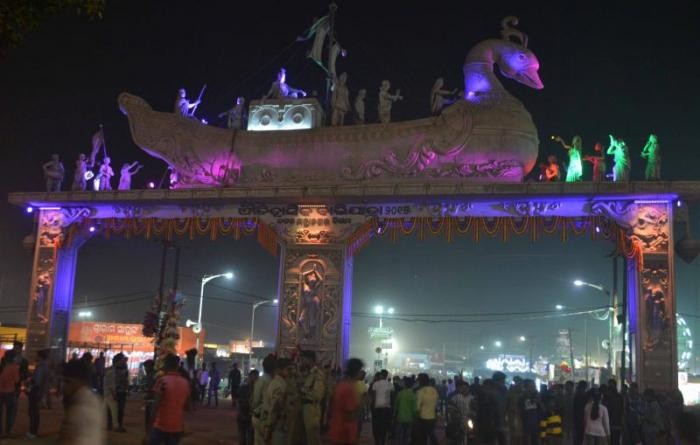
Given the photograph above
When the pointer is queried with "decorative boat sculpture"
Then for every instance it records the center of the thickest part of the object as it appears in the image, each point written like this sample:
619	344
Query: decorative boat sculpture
488	136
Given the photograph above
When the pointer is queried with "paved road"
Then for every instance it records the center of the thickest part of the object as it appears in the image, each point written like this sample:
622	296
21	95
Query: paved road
203	426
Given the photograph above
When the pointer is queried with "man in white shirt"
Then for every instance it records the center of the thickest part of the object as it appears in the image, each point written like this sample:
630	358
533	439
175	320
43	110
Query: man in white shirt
203	380
381	407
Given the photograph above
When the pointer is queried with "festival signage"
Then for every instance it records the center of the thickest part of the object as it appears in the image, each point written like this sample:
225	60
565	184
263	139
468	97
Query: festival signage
382	333
121	336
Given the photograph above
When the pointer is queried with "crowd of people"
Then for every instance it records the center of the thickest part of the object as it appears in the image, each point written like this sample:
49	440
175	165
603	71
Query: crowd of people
296	401
407	411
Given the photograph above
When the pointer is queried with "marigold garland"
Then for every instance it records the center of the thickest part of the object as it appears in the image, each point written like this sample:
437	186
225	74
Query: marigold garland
181	227
597	226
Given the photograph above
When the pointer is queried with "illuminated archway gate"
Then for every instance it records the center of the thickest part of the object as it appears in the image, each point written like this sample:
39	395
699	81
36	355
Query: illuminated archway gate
320	228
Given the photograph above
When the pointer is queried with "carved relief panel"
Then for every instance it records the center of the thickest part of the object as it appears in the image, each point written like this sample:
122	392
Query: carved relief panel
52	269
310	312
655	306
49	237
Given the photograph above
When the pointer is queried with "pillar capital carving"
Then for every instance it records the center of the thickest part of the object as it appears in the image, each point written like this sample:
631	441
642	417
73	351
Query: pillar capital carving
646	222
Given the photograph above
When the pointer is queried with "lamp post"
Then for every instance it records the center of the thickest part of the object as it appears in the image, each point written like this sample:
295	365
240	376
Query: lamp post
529	341
205	280
252	328
611	309
379	310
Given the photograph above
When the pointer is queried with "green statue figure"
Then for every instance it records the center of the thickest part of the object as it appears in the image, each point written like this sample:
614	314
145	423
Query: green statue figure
574	171
652	154
621	169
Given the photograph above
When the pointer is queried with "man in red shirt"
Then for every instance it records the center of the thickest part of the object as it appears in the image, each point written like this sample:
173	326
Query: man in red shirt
345	407
172	392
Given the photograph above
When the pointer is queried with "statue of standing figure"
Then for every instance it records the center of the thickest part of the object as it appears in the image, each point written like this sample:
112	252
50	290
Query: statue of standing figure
651	152
550	170
340	100
386	99
54	172
82	173
103	180
280	90
440	98
125	174
359	108
621	169
310	302
574	171
598	161
235	115
182	105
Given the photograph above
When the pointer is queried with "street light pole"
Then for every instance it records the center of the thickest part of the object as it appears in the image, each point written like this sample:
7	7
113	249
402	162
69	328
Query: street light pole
205	280
611	313
252	329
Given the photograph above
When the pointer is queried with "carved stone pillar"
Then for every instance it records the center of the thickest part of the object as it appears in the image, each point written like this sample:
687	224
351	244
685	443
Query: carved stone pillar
656	348
52	283
650	291
315	301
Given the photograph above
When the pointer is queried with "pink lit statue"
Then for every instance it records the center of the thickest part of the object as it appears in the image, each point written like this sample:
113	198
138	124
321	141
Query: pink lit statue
103	180
82	173
125	174
279	88
182	105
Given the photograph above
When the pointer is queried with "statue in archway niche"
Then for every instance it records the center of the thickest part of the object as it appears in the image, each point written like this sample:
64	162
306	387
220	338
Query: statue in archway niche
312	278
656	322
40	301
574	170
651	152
621	157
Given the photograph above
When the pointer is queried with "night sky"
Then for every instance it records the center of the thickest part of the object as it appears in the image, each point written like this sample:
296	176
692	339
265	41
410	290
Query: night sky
626	70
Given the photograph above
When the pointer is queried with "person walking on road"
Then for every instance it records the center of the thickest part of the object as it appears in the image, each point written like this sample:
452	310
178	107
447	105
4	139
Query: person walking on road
172	395
83	423
37	389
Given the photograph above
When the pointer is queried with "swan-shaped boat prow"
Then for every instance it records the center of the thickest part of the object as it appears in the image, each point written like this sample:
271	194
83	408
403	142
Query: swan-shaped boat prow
488	136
